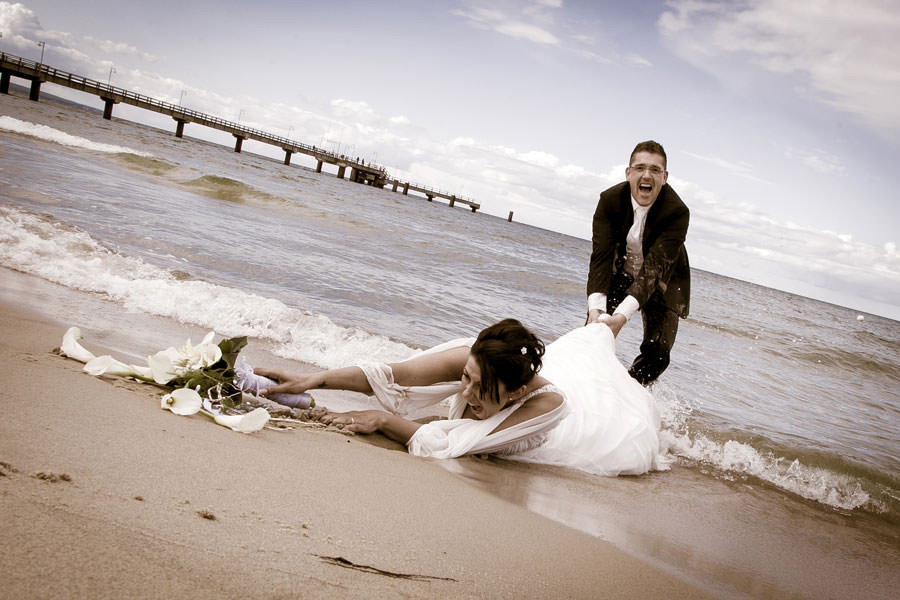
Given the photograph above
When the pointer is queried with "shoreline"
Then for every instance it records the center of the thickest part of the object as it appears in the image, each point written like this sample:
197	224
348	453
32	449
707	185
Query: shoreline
134	500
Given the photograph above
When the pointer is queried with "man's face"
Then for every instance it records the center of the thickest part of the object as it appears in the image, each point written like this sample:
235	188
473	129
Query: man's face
646	175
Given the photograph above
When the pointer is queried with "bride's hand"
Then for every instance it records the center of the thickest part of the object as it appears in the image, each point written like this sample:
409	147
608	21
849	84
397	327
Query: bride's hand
596	316
615	323
288	383
359	421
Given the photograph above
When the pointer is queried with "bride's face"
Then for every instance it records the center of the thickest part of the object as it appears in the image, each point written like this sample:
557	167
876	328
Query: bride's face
482	407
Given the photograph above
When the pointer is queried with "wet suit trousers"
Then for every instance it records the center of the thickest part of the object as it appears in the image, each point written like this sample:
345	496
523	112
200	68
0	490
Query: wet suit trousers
660	329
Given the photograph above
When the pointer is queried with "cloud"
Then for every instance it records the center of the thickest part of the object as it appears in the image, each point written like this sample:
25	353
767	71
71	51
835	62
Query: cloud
120	48
357	108
524	31
547	23
530	24
817	160
637	60
846	55
740	169
18	19
22	29
741	241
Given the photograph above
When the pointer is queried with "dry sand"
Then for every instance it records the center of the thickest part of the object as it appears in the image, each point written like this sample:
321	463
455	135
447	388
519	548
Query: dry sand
105	495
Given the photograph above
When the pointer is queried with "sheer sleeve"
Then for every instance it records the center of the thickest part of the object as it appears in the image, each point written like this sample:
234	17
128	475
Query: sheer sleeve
405	400
456	437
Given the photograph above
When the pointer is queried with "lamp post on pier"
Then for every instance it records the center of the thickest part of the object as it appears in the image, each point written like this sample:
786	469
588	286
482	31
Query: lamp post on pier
112	69
42	45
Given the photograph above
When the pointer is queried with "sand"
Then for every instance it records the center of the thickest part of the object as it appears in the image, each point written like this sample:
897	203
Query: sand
105	495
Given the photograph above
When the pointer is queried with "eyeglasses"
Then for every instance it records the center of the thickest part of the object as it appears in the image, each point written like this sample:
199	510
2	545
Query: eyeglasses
653	169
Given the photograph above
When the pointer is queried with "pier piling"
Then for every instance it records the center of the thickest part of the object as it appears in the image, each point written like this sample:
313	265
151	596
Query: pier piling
108	104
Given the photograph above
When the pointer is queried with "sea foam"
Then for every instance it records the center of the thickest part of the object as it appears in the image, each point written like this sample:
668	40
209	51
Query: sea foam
734	459
69	256
60	137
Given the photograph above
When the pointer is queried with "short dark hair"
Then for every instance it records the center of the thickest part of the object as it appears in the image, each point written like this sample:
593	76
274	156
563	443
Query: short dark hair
649	146
506	351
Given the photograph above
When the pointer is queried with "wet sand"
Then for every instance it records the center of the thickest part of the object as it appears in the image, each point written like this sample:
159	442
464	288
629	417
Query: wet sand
103	494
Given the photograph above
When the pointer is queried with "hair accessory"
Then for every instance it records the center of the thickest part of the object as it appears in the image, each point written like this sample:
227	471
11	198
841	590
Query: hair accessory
524	351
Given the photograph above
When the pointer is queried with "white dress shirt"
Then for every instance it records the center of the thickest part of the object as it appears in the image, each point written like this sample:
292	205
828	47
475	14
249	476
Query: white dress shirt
634	260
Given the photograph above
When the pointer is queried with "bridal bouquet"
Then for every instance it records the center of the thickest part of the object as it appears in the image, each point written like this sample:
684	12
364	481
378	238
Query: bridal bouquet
202	377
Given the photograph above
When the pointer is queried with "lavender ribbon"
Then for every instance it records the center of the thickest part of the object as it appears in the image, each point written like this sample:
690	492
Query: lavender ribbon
251	383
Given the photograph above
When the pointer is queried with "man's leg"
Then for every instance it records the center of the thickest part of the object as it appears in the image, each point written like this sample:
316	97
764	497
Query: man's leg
660	328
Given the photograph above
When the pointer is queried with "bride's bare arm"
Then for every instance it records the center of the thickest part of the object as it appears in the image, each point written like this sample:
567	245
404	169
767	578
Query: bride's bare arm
425	369
430	368
347	378
369	421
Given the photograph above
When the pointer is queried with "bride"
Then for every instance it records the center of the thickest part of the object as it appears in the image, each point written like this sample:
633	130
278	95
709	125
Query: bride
571	403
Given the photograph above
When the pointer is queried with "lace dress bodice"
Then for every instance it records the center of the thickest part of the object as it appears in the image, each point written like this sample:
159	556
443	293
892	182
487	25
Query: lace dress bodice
538	438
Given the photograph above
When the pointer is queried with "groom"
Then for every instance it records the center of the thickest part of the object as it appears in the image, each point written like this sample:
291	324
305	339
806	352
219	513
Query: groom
639	262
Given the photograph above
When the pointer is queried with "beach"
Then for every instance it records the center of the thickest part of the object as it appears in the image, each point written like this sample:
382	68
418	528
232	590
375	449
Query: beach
105	495
781	431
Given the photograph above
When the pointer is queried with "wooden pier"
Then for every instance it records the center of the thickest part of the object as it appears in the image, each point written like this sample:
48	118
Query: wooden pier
431	194
360	171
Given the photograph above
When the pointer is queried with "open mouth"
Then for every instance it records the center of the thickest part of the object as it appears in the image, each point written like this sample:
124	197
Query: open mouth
645	187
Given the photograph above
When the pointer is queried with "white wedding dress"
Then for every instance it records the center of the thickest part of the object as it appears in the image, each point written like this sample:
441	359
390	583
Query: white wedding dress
608	424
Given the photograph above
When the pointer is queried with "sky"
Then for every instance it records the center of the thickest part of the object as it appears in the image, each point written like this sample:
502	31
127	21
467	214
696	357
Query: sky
781	120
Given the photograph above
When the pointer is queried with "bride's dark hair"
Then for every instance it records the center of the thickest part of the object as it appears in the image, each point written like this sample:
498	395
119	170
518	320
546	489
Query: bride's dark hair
506	351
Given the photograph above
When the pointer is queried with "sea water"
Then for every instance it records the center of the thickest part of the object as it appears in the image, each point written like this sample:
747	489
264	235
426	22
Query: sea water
780	413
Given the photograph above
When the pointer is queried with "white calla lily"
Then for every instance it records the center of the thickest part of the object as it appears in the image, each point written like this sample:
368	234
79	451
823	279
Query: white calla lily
71	348
250	422
166	365
183	401
202	355
107	365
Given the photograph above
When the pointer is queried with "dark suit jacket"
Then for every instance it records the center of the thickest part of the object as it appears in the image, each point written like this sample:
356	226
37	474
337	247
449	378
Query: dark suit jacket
665	275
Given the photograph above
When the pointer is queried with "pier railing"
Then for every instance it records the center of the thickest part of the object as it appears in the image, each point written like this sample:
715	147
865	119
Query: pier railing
116	94
361	171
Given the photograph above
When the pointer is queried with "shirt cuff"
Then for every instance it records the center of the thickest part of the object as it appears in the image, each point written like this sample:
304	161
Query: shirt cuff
628	307
597	301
